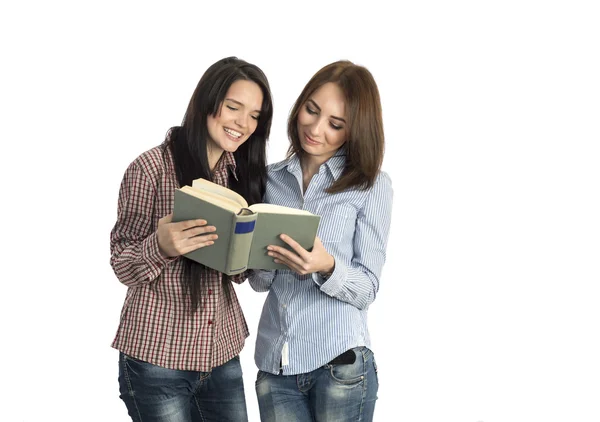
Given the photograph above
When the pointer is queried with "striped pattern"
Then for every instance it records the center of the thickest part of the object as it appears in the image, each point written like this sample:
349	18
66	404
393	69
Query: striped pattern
321	319
156	325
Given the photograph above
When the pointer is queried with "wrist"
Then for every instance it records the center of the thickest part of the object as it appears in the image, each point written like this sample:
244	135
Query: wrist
328	270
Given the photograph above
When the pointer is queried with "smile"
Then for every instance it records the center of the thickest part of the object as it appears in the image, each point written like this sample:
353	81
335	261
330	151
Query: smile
232	132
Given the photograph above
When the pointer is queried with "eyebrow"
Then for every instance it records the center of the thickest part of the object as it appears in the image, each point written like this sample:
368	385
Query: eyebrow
238	103
319	108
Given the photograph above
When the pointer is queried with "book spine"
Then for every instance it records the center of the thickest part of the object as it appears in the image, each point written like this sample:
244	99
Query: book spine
241	240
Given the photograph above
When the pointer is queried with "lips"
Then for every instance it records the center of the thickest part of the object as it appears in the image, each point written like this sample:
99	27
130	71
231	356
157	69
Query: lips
310	141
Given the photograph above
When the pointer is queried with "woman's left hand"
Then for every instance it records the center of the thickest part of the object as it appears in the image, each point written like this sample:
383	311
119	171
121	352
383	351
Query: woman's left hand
300	260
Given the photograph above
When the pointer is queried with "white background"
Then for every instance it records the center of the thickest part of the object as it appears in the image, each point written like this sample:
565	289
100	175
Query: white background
488	308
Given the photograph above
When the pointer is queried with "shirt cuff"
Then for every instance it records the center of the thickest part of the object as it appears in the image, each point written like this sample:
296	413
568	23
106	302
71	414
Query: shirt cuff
152	255
333	285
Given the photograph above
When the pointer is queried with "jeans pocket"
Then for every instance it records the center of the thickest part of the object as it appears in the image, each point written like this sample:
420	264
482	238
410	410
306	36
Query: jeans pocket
129	358
375	369
348	374
260	376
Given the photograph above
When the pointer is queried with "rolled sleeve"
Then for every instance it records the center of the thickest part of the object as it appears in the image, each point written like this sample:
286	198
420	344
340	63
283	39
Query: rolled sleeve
135	256
358	282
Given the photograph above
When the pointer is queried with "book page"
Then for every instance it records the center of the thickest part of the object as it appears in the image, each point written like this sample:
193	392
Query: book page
213	198
277	209
220	190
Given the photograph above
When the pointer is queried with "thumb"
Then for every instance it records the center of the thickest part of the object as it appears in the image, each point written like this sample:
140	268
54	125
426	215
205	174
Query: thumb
166	219
318	243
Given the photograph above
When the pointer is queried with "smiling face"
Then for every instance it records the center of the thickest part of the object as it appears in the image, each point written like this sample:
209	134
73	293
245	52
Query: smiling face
322	122
237	118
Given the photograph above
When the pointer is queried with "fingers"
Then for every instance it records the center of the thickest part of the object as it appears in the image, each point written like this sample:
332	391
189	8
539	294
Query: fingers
195	231
181	225
290	259
184	236
291	265
282	253
304	254
188	224
196	242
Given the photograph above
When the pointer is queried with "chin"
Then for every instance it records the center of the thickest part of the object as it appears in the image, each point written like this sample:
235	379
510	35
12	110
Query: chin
311	149
232	146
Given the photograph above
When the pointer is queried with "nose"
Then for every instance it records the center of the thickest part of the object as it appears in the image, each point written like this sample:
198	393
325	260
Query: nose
315	128
242	120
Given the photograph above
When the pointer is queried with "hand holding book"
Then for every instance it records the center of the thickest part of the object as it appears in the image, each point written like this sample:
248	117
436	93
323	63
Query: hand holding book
179	238
300	260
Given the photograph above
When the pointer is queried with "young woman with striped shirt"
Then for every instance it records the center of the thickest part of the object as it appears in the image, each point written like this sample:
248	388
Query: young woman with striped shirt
312	344
182	328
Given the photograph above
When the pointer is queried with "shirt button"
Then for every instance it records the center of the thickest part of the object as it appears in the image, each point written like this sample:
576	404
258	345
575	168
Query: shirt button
284	306
209	291
209	321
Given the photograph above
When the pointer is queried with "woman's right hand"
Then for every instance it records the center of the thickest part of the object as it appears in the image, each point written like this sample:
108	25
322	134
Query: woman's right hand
176	239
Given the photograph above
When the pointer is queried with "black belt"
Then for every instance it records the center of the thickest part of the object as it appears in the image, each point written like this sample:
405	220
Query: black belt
346	358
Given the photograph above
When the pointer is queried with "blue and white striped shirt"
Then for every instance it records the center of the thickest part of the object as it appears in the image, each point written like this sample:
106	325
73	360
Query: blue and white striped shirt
315	319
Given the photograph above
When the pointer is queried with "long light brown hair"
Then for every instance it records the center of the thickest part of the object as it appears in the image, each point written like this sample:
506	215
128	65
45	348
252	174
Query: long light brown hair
365	143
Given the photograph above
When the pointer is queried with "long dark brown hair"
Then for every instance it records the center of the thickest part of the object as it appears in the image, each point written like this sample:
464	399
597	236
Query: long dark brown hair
188	143
365	143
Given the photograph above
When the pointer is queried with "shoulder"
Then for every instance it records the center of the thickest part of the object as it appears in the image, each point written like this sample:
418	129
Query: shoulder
383	181
380	193
274	167
280	169
153	162
382	187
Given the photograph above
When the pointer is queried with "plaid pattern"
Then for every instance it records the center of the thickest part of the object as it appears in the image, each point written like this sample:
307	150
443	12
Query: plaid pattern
156	325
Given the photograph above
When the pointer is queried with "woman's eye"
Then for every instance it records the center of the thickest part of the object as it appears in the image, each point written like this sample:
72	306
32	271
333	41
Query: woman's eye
231	108
310	110
335	127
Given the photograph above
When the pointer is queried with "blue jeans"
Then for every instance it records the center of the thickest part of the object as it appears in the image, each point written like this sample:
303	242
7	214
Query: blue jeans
331	393
156	394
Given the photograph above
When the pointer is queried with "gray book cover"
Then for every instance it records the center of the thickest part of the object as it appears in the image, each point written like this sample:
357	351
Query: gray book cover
244	235
188	207
269	226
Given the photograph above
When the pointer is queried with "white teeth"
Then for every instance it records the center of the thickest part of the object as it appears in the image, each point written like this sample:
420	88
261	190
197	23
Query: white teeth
233	132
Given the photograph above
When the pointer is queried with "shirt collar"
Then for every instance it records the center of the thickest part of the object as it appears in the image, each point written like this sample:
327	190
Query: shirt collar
335	164
226	162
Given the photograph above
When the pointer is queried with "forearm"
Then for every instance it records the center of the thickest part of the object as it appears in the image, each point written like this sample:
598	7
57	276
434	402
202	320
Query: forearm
260	280
137	263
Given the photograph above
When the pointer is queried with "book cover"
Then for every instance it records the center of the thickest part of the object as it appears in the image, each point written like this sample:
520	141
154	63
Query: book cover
244	232
270	225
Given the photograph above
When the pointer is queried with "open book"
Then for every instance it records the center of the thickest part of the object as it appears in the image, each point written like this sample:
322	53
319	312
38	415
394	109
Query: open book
244	231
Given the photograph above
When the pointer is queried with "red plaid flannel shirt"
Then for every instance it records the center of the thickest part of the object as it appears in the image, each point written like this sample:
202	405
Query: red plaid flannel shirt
156	325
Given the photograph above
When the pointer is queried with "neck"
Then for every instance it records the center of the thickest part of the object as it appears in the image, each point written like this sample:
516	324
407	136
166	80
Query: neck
310	164
214	155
